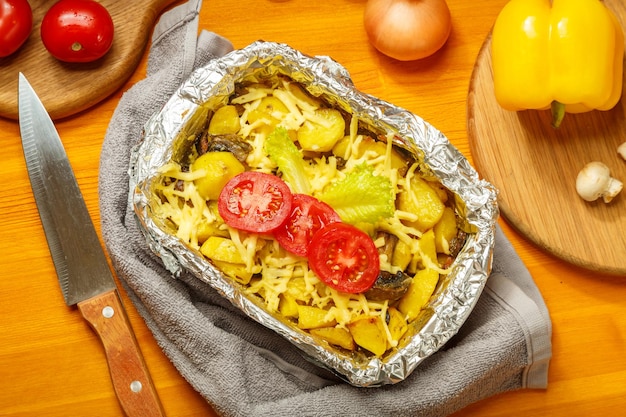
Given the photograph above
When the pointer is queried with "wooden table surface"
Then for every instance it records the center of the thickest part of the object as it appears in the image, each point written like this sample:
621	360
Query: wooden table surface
51	362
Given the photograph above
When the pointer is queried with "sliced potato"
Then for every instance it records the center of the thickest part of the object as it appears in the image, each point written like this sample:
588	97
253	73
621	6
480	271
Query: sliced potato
219	168
205	230
273	106
335	336
368	144
310	317
439	189
423	201
270	111
303	96
369	333
225	120
323	134
238	272
397	324
402	255
445	230
296	288
419	292
428	247
288	306
221	249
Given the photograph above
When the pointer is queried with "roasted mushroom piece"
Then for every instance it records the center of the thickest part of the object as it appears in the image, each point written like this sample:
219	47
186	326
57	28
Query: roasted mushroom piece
224	143
389	286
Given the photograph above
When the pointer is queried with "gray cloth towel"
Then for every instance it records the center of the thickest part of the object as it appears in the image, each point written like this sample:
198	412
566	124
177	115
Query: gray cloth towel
244	369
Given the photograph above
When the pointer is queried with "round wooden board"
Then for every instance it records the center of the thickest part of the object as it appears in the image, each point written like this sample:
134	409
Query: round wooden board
535	166
65	88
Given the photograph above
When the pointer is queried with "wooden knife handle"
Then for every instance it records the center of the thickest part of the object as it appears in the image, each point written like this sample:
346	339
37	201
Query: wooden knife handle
129	374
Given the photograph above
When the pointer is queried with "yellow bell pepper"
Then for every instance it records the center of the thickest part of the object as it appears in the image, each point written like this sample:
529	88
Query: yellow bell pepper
561	54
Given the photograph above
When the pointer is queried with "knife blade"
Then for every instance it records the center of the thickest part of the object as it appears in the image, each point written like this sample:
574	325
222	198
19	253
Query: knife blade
80	262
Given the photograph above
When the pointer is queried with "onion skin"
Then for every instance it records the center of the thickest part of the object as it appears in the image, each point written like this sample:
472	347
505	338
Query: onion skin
407	30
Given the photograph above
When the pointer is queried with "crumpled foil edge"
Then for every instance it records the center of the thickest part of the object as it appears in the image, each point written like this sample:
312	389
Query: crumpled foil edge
457	293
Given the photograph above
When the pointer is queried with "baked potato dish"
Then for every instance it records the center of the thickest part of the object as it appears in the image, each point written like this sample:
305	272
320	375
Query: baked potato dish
325	219
349	226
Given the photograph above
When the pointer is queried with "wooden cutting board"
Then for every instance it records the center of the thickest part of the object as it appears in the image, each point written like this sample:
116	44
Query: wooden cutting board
535	166
65	88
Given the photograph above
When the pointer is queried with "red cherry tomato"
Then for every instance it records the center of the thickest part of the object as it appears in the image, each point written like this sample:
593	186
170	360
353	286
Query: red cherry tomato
16	22
308	215
344	258
77	30
255	202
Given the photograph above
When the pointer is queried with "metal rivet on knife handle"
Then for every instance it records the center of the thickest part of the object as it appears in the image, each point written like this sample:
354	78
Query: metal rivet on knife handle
107	312
136	386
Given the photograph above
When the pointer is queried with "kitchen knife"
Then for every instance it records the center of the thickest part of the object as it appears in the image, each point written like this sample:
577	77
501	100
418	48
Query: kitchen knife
79	260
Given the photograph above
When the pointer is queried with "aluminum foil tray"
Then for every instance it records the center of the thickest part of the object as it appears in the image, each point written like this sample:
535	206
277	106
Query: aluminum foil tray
169	132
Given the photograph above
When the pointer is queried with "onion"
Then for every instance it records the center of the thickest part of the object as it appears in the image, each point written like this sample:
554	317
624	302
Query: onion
407	29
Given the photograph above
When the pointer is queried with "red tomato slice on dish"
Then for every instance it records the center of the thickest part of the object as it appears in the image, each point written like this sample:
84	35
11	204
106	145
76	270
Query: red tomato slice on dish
255	202
308	215
344	257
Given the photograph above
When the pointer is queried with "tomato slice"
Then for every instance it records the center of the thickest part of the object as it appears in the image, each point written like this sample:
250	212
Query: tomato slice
344	257
255	202
308	215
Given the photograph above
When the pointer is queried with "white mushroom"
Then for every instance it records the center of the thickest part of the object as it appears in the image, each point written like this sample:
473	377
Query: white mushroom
595	181
621	149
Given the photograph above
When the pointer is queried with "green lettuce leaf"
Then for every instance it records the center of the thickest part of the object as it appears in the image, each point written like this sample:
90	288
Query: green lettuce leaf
361	196
281	149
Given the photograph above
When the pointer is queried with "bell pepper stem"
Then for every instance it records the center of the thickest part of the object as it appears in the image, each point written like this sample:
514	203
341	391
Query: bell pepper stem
558	113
